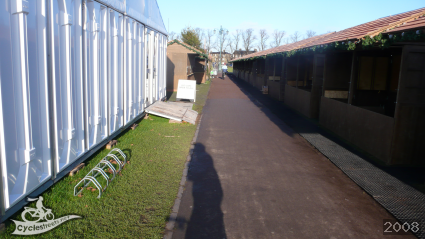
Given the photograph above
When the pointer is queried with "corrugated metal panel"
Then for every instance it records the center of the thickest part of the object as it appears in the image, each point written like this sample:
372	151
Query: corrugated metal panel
119	5
116	71
96	72
147	12
25	142
62	86
67	77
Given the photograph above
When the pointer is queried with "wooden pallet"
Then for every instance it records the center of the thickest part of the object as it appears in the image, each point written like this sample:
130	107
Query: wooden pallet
173	111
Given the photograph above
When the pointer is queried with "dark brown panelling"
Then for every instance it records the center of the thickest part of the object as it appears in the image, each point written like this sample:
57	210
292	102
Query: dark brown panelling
317	84
283	79
395	72
368	130
409	132
338	71
365	73
278	66
291	69
373	73
353	77
298	99
274	89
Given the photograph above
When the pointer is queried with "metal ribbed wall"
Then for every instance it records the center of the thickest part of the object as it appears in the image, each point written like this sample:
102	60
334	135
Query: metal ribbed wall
73	75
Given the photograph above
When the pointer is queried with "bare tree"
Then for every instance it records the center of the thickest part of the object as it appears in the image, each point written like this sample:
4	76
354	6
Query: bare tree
209	40
177	36
277	38
221	43
171	36
200	33
295	37
264	36
310	33
237	38
248	38
223	40
230	44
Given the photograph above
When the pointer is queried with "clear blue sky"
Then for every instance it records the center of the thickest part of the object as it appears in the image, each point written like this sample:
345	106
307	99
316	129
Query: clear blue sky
290	16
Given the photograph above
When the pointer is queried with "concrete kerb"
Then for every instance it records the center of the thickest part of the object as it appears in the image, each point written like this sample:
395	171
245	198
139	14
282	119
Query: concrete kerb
173	216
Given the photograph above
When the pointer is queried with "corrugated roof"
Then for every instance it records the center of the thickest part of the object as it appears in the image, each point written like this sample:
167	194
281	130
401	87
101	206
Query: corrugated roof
404	21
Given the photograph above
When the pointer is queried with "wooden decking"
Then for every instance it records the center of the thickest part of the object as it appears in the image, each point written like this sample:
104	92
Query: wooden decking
173	111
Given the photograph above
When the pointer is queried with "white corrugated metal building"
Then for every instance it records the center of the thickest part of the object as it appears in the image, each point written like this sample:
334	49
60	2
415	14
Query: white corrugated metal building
73	74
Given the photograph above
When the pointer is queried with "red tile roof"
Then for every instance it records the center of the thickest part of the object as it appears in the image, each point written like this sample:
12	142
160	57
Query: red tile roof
418	23
404	21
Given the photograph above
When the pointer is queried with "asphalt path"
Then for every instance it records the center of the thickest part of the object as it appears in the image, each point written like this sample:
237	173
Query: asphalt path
252	176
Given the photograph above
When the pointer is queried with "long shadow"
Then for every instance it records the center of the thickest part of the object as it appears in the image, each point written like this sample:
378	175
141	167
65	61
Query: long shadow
170	78
282	115
206	220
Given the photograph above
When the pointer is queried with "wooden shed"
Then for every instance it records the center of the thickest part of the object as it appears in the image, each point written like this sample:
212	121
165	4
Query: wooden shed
365	83
185	62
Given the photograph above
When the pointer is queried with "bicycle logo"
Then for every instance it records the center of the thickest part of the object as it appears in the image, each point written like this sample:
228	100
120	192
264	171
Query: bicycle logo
40	212
39	219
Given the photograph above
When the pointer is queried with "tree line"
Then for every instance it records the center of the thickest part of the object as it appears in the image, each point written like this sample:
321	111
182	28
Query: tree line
245	39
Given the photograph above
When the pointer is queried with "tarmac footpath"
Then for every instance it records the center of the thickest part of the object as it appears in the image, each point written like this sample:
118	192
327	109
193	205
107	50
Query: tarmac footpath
252	176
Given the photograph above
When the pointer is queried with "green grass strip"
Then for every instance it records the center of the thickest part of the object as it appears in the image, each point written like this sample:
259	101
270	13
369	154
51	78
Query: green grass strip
137	203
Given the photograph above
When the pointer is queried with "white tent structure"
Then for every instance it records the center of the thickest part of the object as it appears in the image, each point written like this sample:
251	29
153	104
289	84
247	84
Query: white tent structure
73	75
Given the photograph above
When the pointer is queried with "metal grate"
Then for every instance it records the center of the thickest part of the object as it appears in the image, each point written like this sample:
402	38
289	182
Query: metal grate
404	202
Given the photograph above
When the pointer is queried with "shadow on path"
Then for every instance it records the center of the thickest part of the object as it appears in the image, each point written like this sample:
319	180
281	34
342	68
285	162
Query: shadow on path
206	220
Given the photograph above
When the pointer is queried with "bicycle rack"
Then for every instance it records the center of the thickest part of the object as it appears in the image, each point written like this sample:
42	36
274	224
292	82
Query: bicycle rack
100	169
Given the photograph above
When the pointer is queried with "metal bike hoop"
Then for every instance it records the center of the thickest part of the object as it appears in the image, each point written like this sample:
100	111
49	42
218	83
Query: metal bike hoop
89	178
120	152
99	169
107	163
121	164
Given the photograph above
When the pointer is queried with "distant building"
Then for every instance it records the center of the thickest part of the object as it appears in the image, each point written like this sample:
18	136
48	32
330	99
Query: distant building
226	57
241	53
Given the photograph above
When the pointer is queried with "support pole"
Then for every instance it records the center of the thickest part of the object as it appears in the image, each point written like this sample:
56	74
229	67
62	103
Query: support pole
353	80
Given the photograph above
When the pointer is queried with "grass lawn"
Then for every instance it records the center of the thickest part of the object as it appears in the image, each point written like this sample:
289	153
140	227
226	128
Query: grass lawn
137	203
230	69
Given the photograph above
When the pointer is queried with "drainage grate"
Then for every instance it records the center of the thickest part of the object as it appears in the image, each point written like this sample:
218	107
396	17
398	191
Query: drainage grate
404	202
